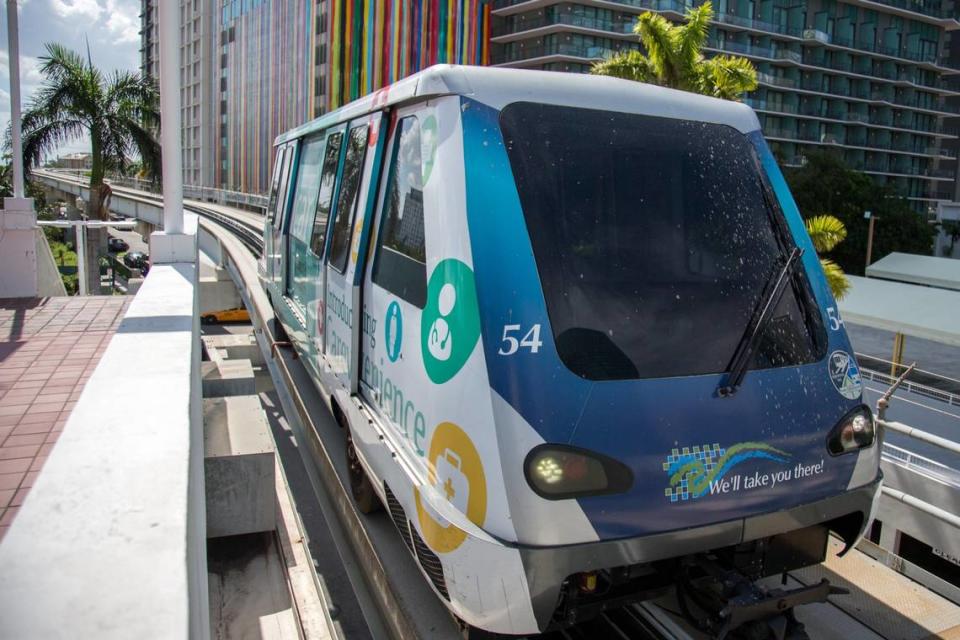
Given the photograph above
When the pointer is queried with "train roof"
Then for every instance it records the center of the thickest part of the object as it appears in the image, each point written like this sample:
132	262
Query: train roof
499	87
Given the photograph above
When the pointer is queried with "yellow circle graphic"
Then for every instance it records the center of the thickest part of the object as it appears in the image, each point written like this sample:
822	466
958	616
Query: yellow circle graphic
455	469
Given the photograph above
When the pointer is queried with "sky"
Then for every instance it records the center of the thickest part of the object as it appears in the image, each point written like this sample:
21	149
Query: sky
110	25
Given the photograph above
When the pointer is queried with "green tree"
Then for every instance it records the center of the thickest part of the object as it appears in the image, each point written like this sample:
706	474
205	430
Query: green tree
119	114
826	185
827	232
952	230
674	58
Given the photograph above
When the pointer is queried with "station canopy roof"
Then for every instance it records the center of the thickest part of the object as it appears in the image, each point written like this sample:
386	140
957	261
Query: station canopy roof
926	270
920	311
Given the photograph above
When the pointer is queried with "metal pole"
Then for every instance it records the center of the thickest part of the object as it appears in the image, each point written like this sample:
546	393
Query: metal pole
898	342
13	51
168	22
81	236
870	240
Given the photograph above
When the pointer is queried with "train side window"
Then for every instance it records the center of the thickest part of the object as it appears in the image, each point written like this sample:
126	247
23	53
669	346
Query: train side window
284	190
275	183
305	189
347	200
400	263
328	178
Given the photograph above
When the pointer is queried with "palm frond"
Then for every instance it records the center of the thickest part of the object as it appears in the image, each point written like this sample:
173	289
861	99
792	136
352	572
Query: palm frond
691	36
46	135
629	65
656	34
826	232
836	278
727	77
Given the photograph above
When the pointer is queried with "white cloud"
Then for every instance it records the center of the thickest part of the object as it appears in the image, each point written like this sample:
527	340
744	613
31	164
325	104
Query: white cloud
89	9
123	21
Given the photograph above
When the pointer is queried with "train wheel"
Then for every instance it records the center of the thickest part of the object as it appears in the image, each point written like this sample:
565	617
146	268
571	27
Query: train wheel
364	496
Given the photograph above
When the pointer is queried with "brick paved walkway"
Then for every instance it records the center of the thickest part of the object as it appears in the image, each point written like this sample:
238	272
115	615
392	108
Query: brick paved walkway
48	349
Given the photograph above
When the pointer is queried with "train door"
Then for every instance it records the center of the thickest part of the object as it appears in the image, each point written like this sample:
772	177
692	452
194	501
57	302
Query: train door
395	286
299	262
265	262
341	337
277	216
316	280
267	259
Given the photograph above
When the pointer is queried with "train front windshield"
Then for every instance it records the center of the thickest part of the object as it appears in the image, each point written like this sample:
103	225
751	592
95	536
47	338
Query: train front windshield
654	239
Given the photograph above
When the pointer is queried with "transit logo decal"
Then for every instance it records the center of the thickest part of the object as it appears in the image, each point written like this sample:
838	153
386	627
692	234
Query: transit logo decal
845	374
450	326
696	472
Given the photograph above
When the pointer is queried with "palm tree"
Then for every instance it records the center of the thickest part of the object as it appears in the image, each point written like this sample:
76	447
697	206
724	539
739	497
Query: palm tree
827	232
119	114
674	58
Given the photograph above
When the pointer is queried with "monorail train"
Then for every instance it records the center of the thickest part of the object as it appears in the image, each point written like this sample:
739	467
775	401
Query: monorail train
576	333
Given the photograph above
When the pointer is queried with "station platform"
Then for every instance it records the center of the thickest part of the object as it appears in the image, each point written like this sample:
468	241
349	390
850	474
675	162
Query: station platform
49	348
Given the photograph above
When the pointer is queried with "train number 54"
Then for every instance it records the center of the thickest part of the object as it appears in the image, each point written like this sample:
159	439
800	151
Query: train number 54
530	340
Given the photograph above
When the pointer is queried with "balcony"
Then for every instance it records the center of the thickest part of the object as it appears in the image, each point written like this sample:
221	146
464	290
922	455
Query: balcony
756	25
778	81
816	35
743	49
924	7
780	132
765	105
515	27
557	49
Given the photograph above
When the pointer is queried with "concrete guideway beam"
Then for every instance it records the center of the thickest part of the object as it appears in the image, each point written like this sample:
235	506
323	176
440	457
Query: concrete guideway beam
111	541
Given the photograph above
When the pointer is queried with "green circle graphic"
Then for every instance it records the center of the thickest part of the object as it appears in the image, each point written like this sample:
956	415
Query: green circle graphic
450	325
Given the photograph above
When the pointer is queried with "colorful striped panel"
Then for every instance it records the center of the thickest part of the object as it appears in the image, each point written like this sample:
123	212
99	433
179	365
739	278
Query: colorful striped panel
373	43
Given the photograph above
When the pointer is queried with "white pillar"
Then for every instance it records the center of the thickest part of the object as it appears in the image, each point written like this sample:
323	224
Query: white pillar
18	223
174	244
13	49
168	22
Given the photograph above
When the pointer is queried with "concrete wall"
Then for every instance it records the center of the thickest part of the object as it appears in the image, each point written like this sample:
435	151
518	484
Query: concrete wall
111	541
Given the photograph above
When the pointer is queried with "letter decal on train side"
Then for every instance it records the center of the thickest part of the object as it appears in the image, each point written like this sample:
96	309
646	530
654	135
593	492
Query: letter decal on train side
450	326
455	469
393	331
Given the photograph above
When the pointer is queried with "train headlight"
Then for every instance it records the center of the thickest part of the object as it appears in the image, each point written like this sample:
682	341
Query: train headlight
557	472
855	431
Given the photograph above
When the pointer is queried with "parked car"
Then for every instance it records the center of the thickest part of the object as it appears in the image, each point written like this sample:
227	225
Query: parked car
117	244
137	260
227	315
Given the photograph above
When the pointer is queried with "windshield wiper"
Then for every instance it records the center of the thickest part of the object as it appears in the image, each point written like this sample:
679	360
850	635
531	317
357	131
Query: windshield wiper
772	292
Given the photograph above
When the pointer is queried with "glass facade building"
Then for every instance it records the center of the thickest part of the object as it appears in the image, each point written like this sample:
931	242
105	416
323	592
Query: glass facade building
252	69
871	79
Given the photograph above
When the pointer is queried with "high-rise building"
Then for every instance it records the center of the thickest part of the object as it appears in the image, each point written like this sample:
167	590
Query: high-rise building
267	81
252	69
197	24
865	77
